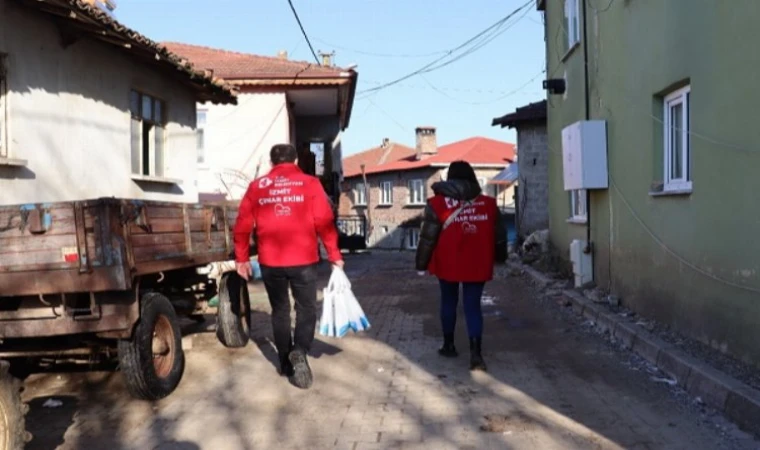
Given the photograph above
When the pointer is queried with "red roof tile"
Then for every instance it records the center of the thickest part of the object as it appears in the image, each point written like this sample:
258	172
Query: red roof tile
94	22
477	150
234	65
374	157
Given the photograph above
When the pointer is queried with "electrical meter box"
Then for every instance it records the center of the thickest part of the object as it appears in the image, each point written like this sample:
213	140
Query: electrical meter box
584	155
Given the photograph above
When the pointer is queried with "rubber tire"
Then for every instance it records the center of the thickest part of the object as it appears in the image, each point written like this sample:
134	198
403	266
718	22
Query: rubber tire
13	435
233	330
136	354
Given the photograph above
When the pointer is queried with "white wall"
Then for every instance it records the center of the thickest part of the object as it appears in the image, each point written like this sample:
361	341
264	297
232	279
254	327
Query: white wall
238	139
68	116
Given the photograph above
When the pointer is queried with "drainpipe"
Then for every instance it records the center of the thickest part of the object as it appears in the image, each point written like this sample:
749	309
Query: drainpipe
587	97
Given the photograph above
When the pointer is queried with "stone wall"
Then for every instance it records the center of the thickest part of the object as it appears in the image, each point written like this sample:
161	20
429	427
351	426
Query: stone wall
533	192
394	223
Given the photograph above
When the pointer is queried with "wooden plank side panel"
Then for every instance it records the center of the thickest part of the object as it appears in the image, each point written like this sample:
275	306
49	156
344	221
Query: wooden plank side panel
20	250
202	244
160	225
147	240
163	212
12	221
159	252
43	252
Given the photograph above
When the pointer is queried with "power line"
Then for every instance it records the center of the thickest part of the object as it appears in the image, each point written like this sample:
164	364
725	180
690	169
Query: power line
478	46
447	88
601	10
493	29
303	31
382	55
387	114
675	255
502	97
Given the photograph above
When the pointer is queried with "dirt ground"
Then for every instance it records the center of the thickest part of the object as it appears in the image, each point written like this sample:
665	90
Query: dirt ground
552	384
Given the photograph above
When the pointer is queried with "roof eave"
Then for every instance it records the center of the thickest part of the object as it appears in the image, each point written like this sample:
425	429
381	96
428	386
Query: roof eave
354	77
95	24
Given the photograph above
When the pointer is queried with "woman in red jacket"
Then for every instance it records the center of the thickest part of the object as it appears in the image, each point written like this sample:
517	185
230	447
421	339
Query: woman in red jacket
462	235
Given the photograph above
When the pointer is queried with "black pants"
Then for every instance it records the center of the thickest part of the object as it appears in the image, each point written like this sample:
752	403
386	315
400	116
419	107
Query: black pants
302	281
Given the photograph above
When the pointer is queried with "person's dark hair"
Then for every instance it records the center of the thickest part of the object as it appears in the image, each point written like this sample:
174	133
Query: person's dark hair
283	153
462	170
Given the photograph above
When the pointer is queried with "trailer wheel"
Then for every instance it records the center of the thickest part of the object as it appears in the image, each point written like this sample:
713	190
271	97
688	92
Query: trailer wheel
233	321
13	435
152	361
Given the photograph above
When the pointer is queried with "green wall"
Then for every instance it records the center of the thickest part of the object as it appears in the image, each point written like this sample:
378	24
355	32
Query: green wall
691	261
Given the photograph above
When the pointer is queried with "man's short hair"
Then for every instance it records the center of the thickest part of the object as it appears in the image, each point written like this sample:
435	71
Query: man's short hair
283	153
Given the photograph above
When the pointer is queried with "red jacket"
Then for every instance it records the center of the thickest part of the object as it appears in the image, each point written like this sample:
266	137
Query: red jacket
465	249
287	210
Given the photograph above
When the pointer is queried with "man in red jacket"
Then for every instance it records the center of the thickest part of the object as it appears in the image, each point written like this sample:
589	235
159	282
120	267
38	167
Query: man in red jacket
288	211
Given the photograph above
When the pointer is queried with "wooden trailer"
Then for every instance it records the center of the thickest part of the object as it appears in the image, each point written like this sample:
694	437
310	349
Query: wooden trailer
92	277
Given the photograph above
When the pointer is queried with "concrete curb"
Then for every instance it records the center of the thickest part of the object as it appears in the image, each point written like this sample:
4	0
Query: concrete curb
737	400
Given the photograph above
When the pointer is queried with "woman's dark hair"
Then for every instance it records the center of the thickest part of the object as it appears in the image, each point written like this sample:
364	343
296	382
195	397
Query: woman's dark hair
462	170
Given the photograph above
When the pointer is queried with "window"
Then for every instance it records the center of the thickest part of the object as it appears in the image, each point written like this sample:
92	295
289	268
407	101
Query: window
677	142
318	149
200	130
360	195
572	22
148	134
3	109
413	239
386	193
416	192
578	205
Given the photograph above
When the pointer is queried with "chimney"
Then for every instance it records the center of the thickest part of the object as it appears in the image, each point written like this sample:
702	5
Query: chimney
282	54
327	58
426	142
386	142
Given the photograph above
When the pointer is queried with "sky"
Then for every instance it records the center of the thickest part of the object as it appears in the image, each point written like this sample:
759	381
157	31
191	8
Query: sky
386	39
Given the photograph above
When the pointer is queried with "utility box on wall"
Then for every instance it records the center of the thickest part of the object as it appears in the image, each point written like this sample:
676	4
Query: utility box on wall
584	155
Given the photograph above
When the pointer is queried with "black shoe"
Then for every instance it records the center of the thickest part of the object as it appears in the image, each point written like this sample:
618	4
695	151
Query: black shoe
302	376
476	359
448	349
286	369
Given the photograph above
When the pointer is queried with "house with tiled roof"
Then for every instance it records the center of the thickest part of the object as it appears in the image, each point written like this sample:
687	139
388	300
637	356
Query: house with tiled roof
280	101
385	188
90	108
530	175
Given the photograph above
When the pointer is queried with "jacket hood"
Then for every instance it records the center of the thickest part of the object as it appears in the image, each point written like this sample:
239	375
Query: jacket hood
457	189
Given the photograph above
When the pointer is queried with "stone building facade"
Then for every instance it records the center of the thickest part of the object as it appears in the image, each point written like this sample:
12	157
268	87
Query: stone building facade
532	207
397	188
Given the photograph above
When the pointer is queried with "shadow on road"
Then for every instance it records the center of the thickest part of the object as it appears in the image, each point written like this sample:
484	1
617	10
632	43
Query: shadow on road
548	386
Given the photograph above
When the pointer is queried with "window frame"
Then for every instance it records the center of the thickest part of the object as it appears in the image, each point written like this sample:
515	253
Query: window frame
158	137
572	23
386	200
681	97
413	236
200	132
578	206
360	194
411	186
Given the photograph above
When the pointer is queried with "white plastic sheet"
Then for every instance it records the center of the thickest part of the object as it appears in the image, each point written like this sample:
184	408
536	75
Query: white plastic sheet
341	311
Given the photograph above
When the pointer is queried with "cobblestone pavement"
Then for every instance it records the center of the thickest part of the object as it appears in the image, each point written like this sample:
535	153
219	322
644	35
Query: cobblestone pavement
550	385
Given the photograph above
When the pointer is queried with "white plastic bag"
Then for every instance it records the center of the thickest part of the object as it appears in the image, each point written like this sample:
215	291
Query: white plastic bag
341	311
327	323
